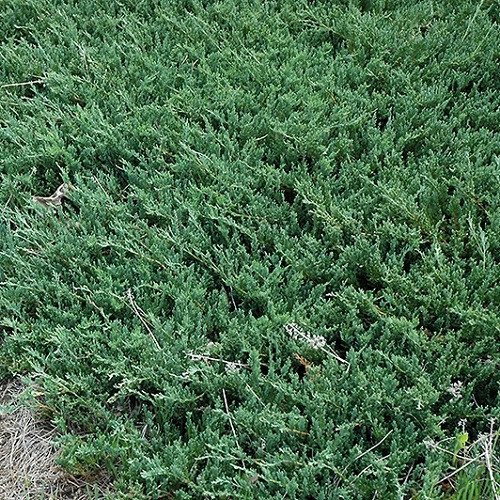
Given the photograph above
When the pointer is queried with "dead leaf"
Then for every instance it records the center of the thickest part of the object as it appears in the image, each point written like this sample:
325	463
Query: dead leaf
304	362
55	199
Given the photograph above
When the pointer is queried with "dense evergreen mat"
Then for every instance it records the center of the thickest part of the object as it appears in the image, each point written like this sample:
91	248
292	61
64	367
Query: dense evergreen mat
274	270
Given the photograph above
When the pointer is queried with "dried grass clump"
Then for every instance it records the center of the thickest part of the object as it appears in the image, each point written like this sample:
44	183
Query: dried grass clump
28	468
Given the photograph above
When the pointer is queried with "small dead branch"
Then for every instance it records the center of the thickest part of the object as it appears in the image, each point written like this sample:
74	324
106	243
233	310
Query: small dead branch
375	445
488	454
229	417
87	298
203	357
231	424
368	450
456	471
22	84
140	314
255	395
314	341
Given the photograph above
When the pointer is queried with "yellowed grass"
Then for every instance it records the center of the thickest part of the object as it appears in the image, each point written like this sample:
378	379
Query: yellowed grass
28	468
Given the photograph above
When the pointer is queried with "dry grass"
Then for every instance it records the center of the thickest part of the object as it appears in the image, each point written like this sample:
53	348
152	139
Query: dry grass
27	456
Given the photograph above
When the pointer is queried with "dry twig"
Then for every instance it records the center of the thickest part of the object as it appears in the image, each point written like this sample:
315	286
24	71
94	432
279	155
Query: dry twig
203	357
21	84
315	341
137	310
231	424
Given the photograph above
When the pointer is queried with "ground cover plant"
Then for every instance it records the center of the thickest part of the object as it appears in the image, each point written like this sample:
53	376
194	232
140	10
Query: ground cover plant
272	269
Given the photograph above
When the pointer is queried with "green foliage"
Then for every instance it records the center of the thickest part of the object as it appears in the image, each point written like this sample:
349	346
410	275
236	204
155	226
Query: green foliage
238	167
474	468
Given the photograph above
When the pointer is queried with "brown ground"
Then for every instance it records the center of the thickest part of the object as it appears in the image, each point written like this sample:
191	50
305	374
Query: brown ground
27	456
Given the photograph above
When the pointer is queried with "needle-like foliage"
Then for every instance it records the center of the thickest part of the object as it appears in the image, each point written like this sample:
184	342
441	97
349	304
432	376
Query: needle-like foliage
275	270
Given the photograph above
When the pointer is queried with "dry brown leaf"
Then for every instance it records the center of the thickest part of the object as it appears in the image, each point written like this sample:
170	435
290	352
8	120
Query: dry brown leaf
55	199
